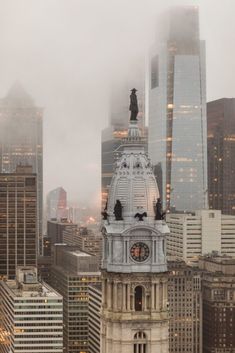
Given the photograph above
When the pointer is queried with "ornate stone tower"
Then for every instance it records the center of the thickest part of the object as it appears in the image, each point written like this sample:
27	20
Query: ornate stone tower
134	283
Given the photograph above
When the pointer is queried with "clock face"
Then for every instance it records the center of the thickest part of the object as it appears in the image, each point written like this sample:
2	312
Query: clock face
139	251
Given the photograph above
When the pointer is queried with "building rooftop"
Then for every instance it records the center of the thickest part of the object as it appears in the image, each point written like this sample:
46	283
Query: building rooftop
34	290
80	253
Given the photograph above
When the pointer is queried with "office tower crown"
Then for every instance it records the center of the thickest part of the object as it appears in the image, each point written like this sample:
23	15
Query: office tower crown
18	97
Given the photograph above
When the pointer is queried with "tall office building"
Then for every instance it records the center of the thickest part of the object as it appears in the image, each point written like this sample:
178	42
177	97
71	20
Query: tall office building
221	154
71	275
134	314
57	204
218	295
18	227
205	231
31	315
177	110
112	136
185	308
21	140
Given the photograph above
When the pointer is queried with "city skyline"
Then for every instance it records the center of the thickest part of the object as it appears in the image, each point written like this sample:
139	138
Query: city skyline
62	76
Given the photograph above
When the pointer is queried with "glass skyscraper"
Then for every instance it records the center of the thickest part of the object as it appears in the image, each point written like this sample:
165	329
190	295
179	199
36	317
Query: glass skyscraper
57	204
177	111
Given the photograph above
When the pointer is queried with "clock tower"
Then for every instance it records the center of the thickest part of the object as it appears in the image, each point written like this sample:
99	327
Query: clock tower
134	313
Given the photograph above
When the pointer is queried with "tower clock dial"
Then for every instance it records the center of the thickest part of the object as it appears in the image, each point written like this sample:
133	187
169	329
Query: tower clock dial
139	252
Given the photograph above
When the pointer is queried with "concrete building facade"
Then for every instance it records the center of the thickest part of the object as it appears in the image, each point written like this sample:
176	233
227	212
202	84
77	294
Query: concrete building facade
218	292
31	315
193	235
72	273
94	310
185	308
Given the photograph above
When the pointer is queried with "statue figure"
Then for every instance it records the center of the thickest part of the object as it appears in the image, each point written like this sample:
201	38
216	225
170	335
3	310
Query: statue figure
133	105
140	216
105	213
118	211
159	215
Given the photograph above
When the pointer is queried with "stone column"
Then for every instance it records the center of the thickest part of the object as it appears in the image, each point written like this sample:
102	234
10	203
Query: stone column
123	297
164	294
115	296
153	303
128	298
109	294
157	295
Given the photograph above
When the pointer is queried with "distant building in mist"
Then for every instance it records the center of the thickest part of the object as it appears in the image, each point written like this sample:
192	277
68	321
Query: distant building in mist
112	136
18	221
55	229
221	154
21	140
86	239
57	204
177	110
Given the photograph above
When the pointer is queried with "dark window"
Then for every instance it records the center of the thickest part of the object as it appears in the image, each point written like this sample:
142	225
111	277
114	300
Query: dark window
138	298
30	181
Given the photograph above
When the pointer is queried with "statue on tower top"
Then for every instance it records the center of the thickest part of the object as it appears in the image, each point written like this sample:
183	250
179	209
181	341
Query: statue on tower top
133	105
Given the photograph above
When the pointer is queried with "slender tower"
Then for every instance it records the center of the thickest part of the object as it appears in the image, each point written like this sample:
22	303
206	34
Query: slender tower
134	283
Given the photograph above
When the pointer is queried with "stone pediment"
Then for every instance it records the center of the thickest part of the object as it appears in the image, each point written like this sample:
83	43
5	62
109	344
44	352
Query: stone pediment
141	230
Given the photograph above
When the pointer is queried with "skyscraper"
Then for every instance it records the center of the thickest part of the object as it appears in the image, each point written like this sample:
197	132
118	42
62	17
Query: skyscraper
221	154
177	110
134	314
18	226
21	140
57	204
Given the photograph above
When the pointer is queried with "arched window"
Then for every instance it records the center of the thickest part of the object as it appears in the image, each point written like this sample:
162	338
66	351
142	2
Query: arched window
138	298
140	342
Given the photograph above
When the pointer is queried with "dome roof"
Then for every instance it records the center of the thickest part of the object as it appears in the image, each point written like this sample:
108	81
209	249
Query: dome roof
133	183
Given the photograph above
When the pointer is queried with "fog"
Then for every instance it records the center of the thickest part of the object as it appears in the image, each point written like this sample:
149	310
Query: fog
66	53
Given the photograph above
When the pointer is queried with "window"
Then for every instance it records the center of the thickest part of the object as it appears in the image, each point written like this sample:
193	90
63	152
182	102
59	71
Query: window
140	343
138	298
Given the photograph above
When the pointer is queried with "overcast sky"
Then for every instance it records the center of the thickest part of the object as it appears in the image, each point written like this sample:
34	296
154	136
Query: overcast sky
65	53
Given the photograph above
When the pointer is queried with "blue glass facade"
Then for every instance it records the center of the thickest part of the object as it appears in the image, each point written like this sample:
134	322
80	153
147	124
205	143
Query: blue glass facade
177	113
